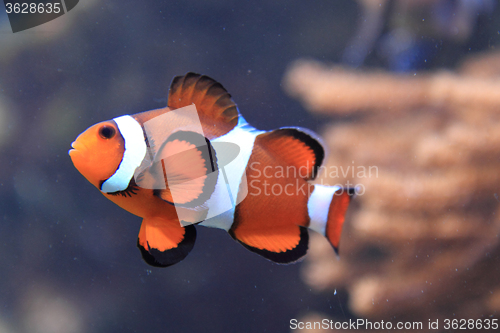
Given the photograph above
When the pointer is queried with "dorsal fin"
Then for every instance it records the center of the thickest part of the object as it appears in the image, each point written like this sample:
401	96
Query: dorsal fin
217	111
295	147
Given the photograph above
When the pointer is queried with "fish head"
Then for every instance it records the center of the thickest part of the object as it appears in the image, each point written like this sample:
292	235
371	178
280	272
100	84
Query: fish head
98	152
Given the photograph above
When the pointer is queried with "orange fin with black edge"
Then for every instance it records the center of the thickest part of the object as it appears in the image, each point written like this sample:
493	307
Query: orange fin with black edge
217	111
296	147
164	243
336	215
283	246
185	170
272	225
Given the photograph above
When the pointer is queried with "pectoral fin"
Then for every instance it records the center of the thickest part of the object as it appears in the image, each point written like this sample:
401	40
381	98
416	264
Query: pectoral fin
163	242
185	170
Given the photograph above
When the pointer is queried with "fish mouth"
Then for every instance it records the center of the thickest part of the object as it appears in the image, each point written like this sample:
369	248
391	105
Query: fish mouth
72	150
77	147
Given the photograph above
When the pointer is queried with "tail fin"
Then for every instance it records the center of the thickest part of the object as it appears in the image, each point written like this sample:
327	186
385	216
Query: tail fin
327	206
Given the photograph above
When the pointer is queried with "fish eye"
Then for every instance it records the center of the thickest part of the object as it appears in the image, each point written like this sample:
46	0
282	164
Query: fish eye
107	132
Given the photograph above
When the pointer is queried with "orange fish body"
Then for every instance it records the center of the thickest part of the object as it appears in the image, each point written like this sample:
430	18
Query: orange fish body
162	166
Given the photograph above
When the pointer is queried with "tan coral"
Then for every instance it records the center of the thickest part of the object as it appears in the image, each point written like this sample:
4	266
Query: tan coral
337	90
423	241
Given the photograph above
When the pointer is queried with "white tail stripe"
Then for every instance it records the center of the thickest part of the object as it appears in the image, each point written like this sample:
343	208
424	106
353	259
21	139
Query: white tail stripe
135	150
319	205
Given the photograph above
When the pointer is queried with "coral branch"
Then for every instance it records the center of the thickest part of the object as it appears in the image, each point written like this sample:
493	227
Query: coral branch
424	240
337	90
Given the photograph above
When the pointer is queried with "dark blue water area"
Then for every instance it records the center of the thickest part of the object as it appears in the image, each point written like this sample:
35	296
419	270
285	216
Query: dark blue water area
62	241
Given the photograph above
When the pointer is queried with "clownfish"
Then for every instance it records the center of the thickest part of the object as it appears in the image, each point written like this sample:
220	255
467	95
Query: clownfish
198	162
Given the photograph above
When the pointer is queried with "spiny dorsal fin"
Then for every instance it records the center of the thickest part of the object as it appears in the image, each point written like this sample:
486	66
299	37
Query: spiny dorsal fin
295	147
217	111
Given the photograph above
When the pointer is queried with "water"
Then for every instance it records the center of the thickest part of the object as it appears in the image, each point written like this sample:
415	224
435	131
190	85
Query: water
69	258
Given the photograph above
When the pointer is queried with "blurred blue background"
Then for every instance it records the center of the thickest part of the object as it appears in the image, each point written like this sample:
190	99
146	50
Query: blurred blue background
69	261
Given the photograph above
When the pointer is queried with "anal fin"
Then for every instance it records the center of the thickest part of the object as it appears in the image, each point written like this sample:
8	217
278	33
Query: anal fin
282	246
